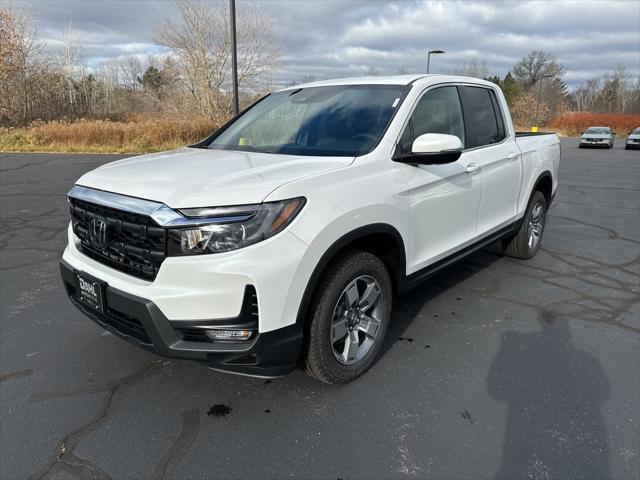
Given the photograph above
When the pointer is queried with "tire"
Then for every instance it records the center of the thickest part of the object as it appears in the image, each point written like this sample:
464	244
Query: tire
520	245
327	358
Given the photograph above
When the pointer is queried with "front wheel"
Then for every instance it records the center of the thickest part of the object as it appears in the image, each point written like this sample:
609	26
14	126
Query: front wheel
527	241
349	317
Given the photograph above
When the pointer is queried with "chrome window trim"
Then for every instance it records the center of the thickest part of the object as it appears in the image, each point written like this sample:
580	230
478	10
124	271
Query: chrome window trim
455	84
162	214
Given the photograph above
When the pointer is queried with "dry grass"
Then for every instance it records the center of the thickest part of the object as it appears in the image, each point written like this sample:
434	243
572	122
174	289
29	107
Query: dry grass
574	123
140	135
143	134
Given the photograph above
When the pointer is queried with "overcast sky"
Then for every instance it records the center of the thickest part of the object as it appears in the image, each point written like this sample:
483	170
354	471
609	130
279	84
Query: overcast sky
332	38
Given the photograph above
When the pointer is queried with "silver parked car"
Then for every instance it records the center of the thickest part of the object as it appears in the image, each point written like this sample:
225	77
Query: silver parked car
597	137
633	140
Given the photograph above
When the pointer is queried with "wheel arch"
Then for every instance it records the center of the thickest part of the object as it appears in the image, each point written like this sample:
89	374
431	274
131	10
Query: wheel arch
544	183
381	239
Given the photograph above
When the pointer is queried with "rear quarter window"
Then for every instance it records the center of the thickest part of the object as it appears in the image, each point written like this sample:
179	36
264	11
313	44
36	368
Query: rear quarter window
483	116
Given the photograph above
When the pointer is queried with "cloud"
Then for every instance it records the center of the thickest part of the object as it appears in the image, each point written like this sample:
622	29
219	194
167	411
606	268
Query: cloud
343	38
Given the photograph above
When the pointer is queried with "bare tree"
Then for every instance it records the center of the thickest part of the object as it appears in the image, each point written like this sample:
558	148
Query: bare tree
21	50
584	97
199	41
536	65
616	92
68	57
475	68
131	69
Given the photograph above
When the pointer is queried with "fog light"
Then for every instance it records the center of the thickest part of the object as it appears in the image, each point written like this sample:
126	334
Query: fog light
229	335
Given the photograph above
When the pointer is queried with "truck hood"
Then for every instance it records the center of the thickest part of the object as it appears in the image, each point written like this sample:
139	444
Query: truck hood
196	177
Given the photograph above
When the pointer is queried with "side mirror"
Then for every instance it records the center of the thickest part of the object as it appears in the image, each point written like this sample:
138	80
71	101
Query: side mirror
433	149
613	133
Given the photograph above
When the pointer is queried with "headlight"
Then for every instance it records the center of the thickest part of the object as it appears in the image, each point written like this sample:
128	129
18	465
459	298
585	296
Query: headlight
229	228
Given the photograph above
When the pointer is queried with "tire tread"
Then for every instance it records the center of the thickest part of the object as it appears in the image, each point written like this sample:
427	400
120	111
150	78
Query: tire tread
318	356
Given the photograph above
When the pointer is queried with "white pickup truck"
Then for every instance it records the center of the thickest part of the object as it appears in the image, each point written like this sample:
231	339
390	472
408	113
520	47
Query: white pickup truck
283	238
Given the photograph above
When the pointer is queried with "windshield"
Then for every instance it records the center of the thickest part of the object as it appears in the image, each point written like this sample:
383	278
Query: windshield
598	130
345	120
636	131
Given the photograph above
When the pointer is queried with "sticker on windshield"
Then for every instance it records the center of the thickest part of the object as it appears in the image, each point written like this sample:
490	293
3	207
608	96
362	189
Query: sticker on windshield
395	102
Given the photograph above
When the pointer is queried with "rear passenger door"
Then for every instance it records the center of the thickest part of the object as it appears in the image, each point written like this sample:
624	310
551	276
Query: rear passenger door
497	153
443	198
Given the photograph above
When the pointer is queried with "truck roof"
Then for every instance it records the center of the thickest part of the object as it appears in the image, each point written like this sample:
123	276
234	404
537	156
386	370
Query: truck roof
391	80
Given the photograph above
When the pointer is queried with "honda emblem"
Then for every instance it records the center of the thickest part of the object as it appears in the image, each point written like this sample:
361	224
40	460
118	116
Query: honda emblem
98	232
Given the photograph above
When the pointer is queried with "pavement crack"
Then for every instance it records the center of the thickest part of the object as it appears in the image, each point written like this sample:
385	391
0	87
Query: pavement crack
167	465
19	374
613	235
63	456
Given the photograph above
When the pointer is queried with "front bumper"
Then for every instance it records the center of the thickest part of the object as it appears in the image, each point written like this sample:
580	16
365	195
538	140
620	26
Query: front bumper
635	144
591	143
142	323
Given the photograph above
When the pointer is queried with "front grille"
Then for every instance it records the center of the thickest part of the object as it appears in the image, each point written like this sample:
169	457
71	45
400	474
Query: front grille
134	243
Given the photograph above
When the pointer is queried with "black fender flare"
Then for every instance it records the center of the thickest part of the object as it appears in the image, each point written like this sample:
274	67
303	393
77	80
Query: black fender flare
541	177
337	246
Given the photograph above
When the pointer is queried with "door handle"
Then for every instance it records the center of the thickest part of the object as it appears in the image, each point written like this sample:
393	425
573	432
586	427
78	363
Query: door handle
472	167
512	156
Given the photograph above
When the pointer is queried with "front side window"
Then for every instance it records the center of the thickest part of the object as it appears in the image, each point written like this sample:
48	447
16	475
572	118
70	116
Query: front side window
438	111
345	120
481	115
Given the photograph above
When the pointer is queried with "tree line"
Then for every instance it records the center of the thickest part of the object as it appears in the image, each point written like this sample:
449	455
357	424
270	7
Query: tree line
536	92
41	82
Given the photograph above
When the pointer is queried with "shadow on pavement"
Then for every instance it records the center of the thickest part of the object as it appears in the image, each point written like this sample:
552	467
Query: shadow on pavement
554	393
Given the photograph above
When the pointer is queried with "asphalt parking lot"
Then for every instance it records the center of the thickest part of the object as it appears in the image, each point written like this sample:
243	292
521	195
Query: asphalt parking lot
495	368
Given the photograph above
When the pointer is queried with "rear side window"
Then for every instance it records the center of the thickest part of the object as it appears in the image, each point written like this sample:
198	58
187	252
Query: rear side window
483	117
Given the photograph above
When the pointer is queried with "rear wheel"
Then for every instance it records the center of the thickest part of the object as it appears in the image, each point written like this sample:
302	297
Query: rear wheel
349	317
527	241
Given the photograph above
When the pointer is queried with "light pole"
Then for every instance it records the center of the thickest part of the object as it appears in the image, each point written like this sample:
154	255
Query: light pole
234	59
429	57
540	94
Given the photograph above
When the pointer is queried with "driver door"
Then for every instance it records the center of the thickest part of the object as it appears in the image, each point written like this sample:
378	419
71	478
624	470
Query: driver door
443	199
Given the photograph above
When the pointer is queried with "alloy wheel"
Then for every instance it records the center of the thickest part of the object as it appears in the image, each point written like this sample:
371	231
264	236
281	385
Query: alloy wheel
535	225
356	320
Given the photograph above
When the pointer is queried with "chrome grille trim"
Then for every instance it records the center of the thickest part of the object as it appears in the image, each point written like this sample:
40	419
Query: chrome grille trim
159	212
